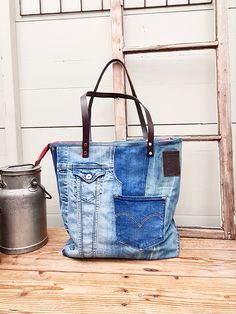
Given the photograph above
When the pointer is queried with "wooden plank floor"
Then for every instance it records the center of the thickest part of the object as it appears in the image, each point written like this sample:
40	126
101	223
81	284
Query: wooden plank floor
201	280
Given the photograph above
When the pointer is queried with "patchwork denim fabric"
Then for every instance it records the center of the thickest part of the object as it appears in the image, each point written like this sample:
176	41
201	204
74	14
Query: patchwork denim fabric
118	203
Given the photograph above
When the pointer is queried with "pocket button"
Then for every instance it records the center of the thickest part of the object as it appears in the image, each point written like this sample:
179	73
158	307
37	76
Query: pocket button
88	176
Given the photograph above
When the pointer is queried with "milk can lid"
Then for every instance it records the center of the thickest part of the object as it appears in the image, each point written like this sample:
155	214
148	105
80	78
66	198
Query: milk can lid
20	169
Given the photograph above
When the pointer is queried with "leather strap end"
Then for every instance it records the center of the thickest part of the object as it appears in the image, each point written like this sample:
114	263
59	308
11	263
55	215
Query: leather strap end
150	148
85	148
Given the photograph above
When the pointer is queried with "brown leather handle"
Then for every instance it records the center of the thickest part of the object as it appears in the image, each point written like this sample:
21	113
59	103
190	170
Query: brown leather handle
138	107
87	124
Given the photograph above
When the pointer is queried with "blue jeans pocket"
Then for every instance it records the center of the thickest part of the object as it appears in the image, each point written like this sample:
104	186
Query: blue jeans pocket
139	220
90	177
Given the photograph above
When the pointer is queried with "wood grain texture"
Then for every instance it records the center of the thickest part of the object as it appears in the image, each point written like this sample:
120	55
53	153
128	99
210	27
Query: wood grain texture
224	120
214	233
201	280
118	72
171	47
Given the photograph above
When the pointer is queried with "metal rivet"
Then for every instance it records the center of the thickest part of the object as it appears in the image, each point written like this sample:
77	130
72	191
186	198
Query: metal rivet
149	143
88	176
34	183
85	144
85	153
150	153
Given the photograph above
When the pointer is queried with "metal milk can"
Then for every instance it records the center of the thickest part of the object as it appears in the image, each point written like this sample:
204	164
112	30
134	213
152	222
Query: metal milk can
23	224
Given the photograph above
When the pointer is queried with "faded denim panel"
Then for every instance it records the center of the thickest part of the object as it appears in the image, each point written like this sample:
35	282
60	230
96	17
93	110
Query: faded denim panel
94	201
158	184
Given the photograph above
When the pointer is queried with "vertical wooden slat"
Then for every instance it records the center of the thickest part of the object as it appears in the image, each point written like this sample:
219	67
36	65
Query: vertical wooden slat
224	120
118	73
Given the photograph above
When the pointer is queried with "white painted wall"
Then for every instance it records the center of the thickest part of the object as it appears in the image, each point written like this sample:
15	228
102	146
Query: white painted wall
60	57
10	102
2	119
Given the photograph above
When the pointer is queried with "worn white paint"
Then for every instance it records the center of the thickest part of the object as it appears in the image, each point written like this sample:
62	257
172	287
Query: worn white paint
61	56
3	157
63	53
164	27
2	105
232	46
2	118
30	7
190	76
200	195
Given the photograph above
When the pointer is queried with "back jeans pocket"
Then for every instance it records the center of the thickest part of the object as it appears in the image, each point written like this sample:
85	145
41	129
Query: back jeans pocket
139	220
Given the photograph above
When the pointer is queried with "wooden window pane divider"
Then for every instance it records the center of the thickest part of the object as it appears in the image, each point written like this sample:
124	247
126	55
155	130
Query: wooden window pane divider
188	138
201	232
171	47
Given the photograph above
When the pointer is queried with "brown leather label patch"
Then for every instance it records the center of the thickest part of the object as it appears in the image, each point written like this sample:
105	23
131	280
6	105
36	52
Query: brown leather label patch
171	163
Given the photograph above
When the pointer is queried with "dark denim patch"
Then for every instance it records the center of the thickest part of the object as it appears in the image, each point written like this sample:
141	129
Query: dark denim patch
131	166
139	220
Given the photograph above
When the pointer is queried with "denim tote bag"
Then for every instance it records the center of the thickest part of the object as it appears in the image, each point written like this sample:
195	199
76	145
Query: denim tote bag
118	198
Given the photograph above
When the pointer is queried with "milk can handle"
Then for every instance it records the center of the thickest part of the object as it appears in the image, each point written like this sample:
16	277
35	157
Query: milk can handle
34	183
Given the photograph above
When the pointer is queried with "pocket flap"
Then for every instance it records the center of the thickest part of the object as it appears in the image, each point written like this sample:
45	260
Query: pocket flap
88	175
